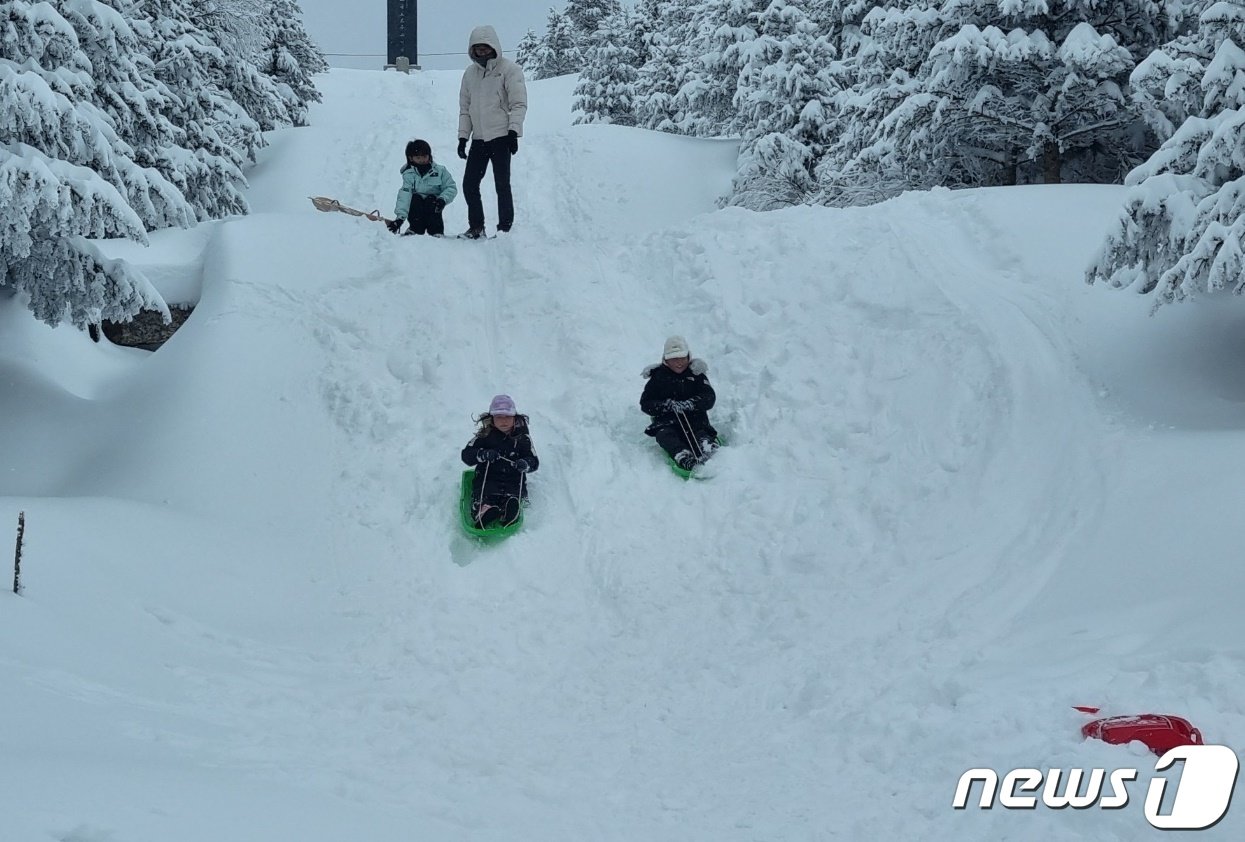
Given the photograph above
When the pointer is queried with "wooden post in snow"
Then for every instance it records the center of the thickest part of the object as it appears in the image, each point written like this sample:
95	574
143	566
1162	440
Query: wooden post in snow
17	555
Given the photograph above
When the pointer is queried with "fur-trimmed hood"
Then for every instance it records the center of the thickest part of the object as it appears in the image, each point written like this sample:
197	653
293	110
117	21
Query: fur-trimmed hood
696	366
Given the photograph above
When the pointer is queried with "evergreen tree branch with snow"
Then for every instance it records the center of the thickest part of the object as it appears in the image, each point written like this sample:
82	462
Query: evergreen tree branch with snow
1180	231
50	208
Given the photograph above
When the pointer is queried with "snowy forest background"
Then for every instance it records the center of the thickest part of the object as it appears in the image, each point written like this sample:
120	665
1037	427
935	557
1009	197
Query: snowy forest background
122	117
844	102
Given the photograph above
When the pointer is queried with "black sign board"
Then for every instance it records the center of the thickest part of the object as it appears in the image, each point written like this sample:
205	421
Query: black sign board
403	30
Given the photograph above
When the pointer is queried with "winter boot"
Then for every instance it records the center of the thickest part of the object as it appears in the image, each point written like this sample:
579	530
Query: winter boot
685	460
473	233
510	513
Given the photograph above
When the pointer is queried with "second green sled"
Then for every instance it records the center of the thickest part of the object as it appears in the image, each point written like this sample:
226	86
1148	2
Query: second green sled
488	534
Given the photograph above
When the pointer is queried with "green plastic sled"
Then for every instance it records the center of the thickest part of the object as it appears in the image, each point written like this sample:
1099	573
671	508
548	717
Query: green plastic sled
684	472
491	533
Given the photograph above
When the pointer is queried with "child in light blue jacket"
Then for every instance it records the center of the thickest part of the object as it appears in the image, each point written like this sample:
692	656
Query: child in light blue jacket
427	187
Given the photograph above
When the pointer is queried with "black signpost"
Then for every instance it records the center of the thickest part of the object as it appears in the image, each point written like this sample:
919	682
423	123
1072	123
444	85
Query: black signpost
403	34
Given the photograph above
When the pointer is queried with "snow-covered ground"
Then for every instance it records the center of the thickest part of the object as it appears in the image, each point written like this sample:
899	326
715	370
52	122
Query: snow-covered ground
964	492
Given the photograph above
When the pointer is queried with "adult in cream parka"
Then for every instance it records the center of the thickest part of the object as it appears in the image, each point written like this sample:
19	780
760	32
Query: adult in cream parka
492	103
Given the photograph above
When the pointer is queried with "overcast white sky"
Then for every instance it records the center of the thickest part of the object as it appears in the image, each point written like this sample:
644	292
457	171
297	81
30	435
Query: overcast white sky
358	26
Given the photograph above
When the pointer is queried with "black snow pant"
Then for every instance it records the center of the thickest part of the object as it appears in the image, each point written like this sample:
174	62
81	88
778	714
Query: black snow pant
494	509
481	154
673	441
424	218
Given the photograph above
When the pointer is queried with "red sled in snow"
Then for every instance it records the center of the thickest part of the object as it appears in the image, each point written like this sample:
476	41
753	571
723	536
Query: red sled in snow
1160	733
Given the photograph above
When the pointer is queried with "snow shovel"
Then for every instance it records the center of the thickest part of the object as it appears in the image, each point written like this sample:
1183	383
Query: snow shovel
324	203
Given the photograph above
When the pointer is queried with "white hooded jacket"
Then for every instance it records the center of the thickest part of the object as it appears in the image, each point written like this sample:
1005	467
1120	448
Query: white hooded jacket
492	100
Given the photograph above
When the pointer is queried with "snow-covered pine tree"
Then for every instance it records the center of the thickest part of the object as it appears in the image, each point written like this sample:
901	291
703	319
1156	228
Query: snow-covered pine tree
147	114
238	28
97	64
839	21
605	92
222	136
122	77
291	58
559	52
720	31
65	175
657	84
671	18
1089	128
644	21
1092	129
895	39
586	17
782	100
527	54
663	28
1182	228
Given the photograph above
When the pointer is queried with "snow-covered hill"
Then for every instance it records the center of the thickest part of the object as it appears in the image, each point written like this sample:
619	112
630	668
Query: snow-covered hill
963	492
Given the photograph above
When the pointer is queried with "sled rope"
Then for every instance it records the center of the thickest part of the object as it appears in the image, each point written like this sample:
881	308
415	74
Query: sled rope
689	434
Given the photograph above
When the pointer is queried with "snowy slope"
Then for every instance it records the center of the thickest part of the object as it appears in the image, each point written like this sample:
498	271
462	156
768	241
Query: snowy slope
963	493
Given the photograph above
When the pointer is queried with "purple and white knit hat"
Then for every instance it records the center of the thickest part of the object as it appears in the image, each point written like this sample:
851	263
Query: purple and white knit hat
502	405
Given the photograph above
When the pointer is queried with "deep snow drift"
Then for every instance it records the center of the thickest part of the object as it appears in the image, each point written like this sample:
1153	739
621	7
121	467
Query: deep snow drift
963	493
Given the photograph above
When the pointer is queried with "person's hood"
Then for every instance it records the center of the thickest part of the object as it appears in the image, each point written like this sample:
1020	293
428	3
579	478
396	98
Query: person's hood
484	35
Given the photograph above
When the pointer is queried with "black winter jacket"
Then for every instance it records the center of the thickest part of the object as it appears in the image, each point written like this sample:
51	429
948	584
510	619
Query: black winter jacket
503	477
692	385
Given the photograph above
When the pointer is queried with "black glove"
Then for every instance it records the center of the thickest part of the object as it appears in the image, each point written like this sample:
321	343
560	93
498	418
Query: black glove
438	204
487	455
394	225
462	148
514	142
522	466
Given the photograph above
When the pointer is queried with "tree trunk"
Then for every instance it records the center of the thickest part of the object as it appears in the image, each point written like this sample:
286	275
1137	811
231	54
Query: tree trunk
1052	163
1009	168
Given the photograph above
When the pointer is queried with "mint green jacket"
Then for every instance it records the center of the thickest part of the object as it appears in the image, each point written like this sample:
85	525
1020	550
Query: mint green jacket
438	182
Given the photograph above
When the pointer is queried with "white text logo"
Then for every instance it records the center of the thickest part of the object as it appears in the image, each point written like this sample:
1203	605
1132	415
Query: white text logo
1201	800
